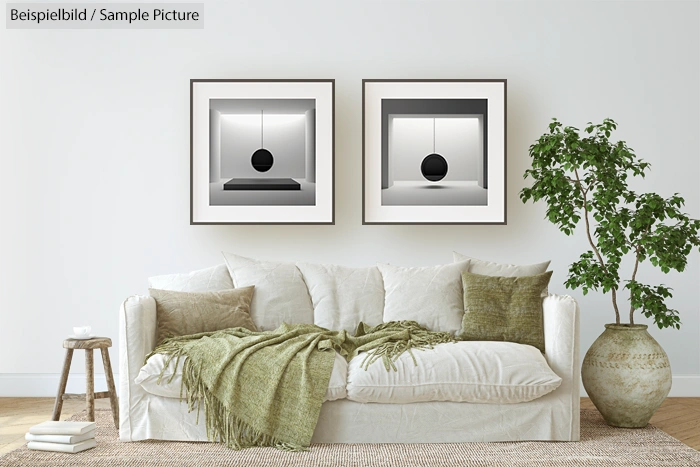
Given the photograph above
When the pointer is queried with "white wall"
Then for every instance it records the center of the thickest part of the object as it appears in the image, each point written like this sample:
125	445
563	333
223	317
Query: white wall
456	139
284	137
94	147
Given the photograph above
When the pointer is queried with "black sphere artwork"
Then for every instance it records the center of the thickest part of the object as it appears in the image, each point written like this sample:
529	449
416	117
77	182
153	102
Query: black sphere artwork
434	167
262	160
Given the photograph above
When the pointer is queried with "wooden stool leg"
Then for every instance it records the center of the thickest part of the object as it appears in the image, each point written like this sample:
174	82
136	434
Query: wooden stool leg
58	405
90	385
110	386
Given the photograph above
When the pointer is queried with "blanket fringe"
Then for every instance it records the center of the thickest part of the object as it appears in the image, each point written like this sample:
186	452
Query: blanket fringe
419	338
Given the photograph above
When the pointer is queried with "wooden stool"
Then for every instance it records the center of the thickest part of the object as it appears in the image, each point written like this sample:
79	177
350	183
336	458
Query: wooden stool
102	343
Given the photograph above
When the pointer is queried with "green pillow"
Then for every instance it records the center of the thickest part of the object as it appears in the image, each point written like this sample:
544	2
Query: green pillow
183	313
504	308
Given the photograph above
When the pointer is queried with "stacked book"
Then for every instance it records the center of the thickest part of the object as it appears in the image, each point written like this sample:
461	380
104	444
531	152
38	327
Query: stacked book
62	436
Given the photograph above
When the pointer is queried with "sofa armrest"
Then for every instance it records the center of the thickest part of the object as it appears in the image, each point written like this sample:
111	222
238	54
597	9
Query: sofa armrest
561	343
137	337
561	335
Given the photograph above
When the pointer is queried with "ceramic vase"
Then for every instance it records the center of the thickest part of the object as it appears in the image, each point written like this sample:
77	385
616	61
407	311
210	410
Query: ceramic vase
627	375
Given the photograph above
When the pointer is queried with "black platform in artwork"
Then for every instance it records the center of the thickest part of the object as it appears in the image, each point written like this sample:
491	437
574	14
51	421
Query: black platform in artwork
262	184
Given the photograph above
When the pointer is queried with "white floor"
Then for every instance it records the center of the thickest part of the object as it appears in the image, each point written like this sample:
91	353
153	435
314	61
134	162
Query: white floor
425	193
304	197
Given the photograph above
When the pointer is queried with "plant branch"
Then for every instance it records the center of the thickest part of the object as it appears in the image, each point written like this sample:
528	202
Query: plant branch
593	245
578	183
634	275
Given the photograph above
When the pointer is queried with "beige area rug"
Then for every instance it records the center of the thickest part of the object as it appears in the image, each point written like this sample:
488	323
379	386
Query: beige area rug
600	445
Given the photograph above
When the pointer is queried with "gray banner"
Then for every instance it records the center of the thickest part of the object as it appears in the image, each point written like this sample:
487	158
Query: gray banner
105	16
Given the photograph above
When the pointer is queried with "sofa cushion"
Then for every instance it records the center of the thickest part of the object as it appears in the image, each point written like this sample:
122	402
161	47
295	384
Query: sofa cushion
431	296
280	295
343	296
183	313
504	308
150	372
478	372
202	280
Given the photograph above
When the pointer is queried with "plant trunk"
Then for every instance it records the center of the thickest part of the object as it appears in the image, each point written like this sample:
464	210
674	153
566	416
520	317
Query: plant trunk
614	302
593	245
634	276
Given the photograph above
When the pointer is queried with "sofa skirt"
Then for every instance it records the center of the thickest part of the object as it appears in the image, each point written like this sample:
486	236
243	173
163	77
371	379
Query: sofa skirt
343	421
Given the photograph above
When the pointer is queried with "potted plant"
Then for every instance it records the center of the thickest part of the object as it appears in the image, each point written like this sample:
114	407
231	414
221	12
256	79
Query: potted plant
582	176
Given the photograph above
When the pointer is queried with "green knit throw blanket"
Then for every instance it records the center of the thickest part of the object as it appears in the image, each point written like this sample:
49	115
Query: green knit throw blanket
266	388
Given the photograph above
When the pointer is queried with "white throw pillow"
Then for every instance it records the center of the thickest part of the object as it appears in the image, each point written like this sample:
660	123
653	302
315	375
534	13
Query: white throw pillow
342	296
471	371
431	296
280	292
212	279
489	268
150	372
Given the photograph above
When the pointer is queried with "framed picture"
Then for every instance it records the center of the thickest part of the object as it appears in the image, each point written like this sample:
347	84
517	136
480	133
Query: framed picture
262	151
434	151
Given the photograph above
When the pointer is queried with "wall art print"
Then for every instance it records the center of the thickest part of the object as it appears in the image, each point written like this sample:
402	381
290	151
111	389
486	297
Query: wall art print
261	151
434	151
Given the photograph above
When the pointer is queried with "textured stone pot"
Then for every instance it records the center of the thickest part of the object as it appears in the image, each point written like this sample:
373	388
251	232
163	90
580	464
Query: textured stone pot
627	375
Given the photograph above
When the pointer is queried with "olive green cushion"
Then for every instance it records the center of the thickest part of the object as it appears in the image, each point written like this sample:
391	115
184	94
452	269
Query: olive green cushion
184	313
504	308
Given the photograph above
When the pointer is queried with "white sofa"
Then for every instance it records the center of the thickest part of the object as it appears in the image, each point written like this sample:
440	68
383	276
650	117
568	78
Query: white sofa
408	408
